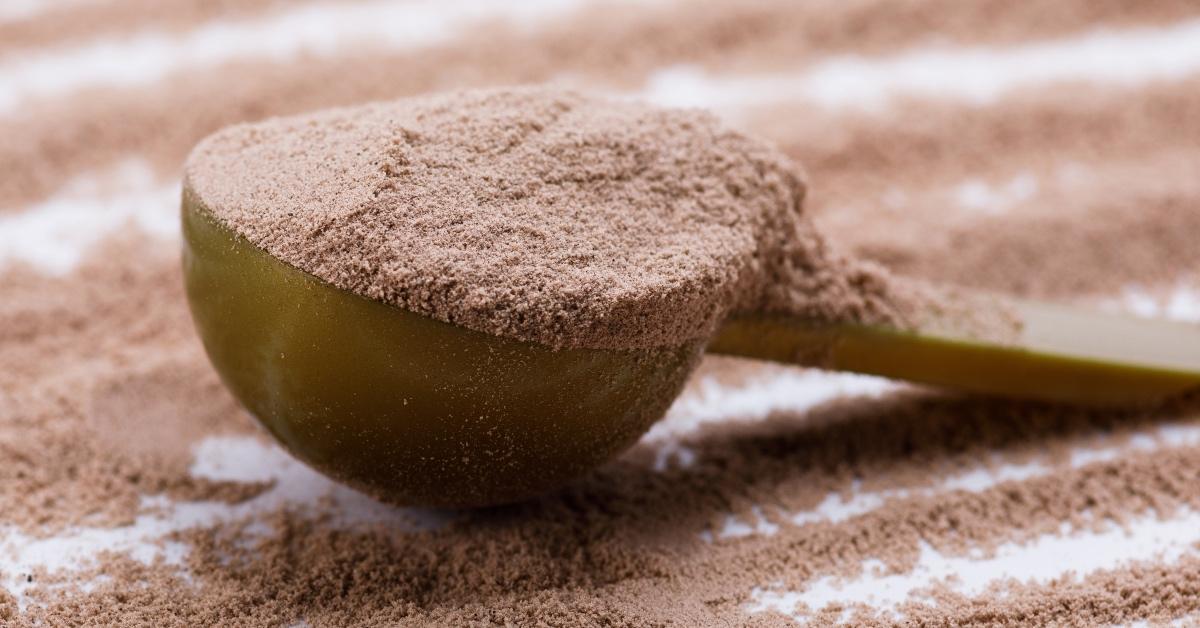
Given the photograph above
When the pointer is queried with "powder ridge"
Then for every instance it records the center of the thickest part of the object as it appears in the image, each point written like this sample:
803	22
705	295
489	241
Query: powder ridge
536	214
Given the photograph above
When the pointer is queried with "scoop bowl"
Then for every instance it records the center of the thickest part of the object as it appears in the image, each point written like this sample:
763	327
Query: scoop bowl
409	409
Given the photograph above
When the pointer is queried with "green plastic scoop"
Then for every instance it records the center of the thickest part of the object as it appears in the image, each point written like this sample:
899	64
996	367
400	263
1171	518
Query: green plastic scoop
1061	354
420	412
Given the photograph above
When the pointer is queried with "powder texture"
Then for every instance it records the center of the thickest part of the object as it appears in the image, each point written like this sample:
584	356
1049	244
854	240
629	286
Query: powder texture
539	215
1144	592
622	547
100	427
96	19
165	120
109	345
1114	178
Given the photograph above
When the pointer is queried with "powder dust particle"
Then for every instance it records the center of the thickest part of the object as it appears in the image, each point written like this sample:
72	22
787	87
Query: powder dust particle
537	214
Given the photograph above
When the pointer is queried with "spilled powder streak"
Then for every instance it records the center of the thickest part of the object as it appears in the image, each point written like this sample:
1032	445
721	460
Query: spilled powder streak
1180	304
12	10
320	30
1046	558
837	507
792	390
228	459
974	75
785	29
978	195
55	235
77	22
43	147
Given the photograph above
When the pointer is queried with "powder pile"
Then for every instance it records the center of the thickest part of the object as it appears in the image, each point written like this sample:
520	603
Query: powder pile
539	215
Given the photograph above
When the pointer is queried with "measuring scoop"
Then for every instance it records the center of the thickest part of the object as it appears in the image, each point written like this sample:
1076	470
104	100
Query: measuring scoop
420	412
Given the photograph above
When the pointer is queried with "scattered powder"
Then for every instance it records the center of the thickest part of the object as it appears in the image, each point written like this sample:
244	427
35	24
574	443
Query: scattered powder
621	547
868	172
1147	591
164	121
540	215
102	397
1107	167
90	356
72	23
709	27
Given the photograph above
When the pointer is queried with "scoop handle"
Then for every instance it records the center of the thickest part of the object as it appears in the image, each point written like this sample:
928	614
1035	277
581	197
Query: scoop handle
1061	354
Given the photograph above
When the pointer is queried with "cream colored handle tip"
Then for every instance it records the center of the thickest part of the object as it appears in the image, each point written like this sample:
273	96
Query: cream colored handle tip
1061	354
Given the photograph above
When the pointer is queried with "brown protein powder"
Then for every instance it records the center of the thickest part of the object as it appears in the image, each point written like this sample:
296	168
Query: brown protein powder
537	214
105	390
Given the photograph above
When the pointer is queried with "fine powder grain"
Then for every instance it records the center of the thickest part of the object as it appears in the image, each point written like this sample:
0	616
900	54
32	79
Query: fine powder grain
540	215
109	345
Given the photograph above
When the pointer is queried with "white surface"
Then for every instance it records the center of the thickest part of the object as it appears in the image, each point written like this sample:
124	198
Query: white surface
790	390
978	195
317	29
55	234
977	75
1047	558
1129	56
838	507
12	10
242	459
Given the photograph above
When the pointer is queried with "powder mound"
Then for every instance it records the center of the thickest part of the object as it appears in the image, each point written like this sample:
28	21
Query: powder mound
535	214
